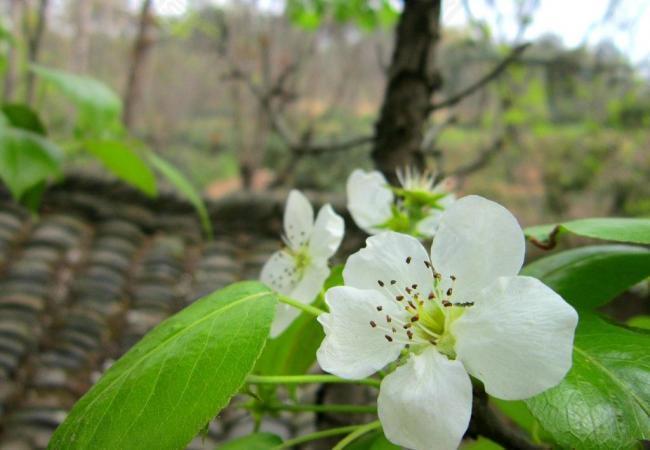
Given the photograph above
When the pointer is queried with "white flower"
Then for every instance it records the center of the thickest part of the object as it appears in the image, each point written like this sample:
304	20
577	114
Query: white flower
416	207
300	269
462	311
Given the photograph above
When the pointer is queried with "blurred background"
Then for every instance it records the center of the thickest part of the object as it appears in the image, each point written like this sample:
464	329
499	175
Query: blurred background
541	105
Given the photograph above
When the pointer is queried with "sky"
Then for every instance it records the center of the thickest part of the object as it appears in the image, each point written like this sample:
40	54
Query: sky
571	20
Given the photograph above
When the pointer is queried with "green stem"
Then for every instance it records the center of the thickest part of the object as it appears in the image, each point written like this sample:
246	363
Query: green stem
307	379
356	434
317	435
352	409
296	304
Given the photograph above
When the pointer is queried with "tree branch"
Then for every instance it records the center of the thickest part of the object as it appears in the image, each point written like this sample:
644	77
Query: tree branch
485	79
487	422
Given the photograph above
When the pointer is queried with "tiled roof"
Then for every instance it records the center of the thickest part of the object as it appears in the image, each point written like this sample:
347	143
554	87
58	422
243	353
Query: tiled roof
102	265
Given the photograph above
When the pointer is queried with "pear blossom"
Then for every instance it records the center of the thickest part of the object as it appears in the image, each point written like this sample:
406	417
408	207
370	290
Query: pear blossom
439	318
415	207
299	270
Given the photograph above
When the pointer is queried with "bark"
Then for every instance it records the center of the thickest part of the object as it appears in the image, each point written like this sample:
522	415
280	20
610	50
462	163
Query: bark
34	42
412	80
141	48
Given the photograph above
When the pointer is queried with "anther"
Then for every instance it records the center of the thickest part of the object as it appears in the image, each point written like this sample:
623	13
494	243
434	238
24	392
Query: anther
409	333
388	338
393	281
415	318
428	264
446	303
453	277
414	286
408	260
449	291
432	296
412	305
399	298
381	283
388	318
437	276
379	308
373	323
408	290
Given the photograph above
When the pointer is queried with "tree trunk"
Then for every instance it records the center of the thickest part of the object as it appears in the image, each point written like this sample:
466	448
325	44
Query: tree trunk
412	80
82	13
143	42
12	53
33	48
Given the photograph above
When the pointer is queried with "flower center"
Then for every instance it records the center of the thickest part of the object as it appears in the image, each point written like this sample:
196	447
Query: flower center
429	313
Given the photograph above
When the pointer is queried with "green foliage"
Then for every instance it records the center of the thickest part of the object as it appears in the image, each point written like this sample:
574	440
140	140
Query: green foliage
26	160
372	441
294	351
184	186
163	391
119	158
255	441
366	14
603	403
98	107
589	277
640	322
606	228
22	116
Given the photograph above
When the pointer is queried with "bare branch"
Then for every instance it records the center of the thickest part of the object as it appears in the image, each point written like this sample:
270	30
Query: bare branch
485	79
482	160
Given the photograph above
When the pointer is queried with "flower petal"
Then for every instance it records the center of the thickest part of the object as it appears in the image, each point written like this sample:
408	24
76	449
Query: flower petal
369	200
477	241
518	338
428	226
389	257
304	291
280	272
327	234
427	403
298	219
352	347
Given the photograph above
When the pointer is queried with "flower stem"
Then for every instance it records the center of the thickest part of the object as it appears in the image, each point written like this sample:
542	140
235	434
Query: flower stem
296	304
317	435
356	434
307	379
352	409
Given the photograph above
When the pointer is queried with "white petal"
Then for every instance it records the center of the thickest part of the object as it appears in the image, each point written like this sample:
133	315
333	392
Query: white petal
327	234
477	241
304	291
388	257
428	226
369	200
298	219
353	348
280	273
427	403
518	338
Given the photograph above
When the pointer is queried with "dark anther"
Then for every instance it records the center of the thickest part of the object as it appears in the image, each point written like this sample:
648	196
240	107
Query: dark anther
415	318
388	318
388	338
409	333
399	298
414	286
393	281
428	264
449	291
373	324
381	283
412	305
408	260
446	303
408	290
437	276
453	277
379	308
432	296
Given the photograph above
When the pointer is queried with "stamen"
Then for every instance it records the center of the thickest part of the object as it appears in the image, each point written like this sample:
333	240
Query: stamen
453	277
399	298
428	264
432	296
388	318
381	283
379	308
414	286
449	291
415	318
388	338
393	282
373	323
409	333
446	303
408	260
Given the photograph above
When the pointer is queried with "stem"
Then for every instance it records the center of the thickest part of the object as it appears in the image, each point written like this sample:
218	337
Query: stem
296	304
307	379
317	435
352	409
356	434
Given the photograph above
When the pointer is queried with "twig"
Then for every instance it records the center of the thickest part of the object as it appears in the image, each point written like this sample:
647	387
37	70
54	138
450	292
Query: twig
486	422
485	79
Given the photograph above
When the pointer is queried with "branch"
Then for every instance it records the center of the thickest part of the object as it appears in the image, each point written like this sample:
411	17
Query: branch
487	422
483	158
485	79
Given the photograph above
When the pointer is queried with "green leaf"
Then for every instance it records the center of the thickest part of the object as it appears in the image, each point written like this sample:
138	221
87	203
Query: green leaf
589	277
481	444
256	441
185	187
374	440
294	351
99	108
26	160
606	228
124	162
640	322
604	402
178	377
22	116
